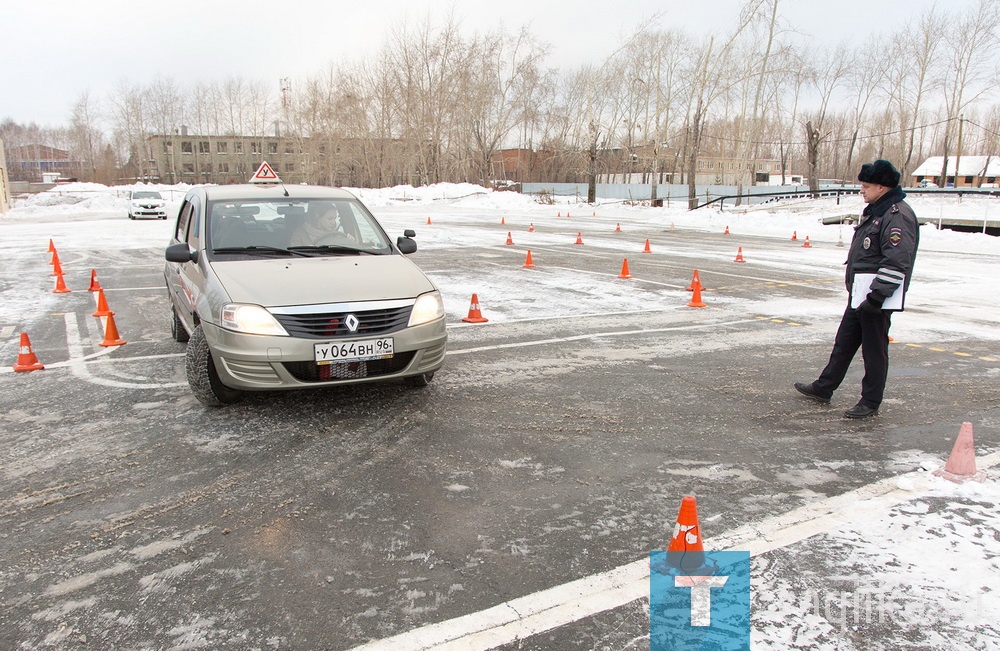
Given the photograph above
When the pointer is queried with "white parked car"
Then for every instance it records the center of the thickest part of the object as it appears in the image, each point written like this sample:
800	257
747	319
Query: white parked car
146	203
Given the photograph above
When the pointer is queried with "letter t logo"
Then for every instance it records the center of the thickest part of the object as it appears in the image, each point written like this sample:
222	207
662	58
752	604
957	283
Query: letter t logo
701	595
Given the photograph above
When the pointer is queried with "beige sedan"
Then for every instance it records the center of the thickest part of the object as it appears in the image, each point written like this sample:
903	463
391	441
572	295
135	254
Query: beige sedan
288	288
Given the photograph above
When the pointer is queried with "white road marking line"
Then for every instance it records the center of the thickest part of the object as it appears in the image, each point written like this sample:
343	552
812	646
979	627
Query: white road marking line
78	366
542	611
562	316
6	331
78	360
597	335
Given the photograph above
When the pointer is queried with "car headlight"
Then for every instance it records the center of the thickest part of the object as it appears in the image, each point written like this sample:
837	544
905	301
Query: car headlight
429	307
251	320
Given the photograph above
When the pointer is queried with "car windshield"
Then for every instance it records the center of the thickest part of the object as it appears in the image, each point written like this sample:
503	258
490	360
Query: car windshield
293	227
146	195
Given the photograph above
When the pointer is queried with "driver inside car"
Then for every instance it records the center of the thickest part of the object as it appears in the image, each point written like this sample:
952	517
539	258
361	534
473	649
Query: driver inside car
322	226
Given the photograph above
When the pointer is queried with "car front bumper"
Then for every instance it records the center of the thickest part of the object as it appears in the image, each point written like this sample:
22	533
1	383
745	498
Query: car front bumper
265	363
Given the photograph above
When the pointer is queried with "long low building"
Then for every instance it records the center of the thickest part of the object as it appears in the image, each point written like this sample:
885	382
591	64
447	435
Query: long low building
964	172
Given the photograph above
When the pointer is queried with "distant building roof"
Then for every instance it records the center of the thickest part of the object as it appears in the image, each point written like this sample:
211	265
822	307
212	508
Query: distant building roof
970	166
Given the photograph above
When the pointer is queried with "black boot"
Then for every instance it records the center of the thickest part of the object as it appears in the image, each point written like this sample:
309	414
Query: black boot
861	410
808	390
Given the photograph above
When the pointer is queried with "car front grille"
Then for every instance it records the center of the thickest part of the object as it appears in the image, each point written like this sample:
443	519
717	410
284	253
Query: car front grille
328	325
313	372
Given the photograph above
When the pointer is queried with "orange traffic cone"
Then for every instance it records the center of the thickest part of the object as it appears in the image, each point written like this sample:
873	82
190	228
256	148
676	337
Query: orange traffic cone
475	316
686	551
56	266
806	244
94	285
961	464
111	337
510	240
739	255
102	305
696	298
54	260
695	281
647	249
531	227
60	285
52	247
618	228
26	360
503	221
579	238
727	230
528	263
567	214
428	221
559	214
625	273
795	236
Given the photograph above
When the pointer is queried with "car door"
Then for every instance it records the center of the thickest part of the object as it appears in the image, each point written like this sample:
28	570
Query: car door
186	279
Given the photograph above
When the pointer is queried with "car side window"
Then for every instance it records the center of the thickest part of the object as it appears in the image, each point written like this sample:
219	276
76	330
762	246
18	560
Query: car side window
183	217
193	236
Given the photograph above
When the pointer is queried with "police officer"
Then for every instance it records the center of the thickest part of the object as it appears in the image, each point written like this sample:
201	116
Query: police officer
884	245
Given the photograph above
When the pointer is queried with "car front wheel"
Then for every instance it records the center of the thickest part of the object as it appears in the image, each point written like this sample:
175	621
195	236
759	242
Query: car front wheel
419	381
202	376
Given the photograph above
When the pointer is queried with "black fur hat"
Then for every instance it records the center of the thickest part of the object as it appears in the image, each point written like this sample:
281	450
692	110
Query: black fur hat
881	172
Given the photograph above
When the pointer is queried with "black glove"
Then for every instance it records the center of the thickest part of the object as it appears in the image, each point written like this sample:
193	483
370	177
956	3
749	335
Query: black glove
872	304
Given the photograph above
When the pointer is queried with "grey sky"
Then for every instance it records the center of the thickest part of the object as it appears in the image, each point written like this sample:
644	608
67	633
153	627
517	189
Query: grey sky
53	50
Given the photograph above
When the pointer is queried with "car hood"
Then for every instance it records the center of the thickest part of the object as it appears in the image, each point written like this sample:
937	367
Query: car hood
328	279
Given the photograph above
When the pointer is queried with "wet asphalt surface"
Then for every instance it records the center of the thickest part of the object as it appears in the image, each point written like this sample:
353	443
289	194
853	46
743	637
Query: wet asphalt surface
133	518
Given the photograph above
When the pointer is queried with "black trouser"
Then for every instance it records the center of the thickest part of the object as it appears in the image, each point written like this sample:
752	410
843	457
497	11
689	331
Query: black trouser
870	332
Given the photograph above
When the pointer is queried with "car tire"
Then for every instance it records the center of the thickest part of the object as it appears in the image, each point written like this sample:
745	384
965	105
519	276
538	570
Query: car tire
202	376
177	331
131	216
419	381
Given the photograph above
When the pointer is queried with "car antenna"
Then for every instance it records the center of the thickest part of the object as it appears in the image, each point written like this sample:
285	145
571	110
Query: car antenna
283	188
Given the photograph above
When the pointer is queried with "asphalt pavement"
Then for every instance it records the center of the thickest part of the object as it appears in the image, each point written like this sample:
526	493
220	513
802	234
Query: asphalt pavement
549	449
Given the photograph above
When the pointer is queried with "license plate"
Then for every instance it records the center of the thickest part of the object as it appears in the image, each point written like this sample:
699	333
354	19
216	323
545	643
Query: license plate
353	351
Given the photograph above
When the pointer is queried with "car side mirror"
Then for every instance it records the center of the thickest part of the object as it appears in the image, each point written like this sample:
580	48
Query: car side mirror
405	244
181	253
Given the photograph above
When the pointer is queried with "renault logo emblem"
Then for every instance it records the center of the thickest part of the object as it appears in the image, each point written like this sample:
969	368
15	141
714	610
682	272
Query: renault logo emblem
351	322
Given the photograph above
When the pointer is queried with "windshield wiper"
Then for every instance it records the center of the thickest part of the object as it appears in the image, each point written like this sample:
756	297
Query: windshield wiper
330	248
257	248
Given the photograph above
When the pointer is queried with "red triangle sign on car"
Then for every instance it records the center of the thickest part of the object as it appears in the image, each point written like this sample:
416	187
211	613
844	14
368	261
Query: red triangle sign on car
265	174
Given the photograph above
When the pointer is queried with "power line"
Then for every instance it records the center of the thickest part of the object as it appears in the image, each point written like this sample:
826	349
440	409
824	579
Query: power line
839	140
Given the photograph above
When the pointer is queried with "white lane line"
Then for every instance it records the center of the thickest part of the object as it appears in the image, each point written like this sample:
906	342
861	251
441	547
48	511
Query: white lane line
542	611
78	361
562	316
597	335
6	331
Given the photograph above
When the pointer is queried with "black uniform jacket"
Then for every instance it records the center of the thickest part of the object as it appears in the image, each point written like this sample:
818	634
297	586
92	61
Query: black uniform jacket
885	243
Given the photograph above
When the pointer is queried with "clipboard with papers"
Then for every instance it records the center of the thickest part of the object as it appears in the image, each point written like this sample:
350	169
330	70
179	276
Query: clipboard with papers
862	286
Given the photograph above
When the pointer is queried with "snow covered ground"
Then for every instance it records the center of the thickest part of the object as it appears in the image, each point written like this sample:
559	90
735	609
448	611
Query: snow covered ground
893	558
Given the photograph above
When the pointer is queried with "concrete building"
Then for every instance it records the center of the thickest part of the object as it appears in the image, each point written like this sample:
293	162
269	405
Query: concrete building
30	162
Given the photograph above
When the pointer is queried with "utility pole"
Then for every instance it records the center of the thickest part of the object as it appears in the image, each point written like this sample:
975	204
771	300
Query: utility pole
958	150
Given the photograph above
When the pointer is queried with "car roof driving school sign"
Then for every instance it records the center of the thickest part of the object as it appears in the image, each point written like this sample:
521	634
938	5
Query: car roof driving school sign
264	174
